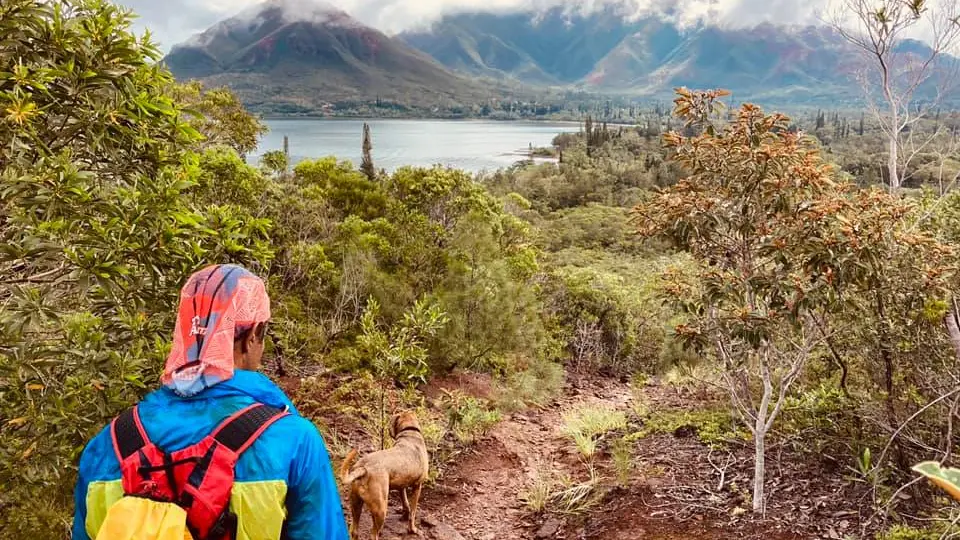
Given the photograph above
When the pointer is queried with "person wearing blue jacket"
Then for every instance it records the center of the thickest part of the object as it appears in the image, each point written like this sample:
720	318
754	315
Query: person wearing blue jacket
284	486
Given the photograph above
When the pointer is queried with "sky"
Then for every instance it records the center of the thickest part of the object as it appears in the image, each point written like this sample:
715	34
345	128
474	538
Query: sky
173	21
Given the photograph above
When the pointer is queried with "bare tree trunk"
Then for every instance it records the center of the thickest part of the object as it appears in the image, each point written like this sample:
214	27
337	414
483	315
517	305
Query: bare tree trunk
892	167
953	327
761	425
759	467
878	28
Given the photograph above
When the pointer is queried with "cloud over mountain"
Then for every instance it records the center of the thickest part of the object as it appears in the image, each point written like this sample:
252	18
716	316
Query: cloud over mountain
175	20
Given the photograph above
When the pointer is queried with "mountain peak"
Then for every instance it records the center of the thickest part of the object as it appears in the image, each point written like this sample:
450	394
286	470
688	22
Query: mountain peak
311	11
290	53
271	15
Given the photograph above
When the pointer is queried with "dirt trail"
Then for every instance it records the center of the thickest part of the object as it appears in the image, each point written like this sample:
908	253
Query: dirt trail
479	497
671	495
485	489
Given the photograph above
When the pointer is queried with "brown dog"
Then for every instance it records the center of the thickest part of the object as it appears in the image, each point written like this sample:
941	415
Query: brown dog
403	467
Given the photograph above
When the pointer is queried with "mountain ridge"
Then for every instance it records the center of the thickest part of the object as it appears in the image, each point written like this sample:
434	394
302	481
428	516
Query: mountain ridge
649	56
280	62
298	56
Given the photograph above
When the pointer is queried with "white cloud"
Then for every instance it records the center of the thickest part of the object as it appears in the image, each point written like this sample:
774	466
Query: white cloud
174	21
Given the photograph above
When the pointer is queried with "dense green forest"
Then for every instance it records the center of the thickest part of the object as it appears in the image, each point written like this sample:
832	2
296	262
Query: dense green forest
756	265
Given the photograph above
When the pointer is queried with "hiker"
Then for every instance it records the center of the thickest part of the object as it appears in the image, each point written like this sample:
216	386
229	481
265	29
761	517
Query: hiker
165	468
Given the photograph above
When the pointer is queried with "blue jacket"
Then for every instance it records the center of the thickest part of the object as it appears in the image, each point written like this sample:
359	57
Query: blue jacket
284	485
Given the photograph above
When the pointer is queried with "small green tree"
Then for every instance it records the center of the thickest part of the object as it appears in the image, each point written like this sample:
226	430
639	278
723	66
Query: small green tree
219	115
400	353
367	165
275	162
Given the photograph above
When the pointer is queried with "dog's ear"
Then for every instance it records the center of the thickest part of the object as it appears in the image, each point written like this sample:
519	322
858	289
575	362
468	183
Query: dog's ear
394	427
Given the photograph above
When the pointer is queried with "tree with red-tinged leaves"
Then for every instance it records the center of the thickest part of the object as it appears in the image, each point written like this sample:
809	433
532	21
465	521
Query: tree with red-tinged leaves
783	247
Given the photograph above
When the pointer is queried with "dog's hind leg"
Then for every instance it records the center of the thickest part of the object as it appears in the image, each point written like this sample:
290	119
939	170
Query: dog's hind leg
377	503
414	501
379	516
356	510
405	503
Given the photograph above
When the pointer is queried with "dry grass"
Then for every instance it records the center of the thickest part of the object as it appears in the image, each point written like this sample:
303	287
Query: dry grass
535	386
622	454
537	496
551	492
587	427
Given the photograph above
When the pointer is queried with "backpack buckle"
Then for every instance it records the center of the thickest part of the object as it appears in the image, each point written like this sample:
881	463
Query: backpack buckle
225	526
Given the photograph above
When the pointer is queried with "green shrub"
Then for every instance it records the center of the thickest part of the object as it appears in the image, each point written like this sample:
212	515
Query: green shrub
820	421
712	427
904	532
100	192
608	309
468	418
535	385
622	454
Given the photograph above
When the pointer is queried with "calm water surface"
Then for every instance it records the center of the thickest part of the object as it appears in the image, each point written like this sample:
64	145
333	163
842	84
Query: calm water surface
473	145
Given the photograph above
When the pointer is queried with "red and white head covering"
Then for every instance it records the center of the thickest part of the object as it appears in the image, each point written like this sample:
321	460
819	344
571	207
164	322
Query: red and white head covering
217	305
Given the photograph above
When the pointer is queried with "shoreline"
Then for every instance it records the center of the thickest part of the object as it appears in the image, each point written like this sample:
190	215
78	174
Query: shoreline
268	118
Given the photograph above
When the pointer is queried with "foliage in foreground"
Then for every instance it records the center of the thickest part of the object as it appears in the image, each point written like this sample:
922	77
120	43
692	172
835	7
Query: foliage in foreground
116	184
96	234
947	478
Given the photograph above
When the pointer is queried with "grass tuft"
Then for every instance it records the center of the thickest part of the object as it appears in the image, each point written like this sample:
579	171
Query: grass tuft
550	493
587	427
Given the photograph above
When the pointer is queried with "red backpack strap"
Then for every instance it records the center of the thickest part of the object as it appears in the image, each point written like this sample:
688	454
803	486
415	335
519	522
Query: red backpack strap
240	430
206	491
128	434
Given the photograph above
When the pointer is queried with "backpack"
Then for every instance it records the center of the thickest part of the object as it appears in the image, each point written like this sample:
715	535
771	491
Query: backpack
184	495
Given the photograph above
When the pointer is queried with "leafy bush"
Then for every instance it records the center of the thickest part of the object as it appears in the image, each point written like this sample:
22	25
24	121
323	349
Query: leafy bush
530	384
400	354
112	193
468	418
98	230
713	428
428	235
820	421
609	310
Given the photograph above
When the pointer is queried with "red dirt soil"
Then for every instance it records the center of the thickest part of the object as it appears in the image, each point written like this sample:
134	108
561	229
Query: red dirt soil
672	494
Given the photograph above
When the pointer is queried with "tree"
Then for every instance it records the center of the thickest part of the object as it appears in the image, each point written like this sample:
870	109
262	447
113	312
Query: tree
367	161
588	127
742	206
98	171
275	162
910	81
781	246
220	116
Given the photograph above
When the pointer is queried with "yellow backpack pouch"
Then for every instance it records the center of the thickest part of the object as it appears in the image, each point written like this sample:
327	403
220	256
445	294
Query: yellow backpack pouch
137	518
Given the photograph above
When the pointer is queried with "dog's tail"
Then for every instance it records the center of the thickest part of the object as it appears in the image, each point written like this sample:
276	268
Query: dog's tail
346	475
